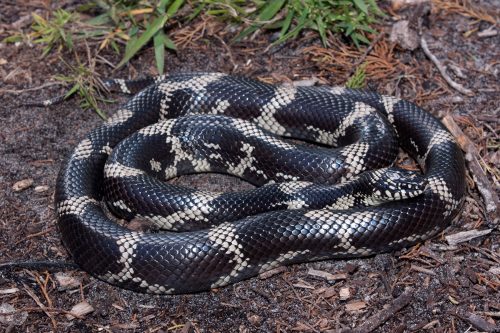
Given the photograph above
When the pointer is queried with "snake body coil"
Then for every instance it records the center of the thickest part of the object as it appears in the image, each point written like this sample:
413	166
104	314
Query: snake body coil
210	122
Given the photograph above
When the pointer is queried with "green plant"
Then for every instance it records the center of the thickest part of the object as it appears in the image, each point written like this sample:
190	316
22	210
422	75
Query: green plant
120	20
357	80
86	84
53	32
350	17
136	23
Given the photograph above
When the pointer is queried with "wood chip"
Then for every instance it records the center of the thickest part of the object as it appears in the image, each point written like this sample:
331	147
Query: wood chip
404	36
422	270
389	310
303	285
478	322
431	324
326	275
80	310
306	83
10	316
22	184
398	4
254	319
466	236
329	292
41	188
491	314
272	272
345	293
494	270
355	306
8	291
490	32
125	326
67	282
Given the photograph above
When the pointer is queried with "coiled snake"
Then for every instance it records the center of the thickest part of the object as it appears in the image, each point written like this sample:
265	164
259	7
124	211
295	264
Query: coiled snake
211	122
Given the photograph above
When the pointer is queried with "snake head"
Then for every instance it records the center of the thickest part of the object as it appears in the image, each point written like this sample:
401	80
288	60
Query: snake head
395	184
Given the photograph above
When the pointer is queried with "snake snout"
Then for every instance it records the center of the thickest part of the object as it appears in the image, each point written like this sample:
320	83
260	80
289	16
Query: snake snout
396	184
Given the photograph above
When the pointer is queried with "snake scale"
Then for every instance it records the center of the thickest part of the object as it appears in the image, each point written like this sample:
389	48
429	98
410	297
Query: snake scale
313	203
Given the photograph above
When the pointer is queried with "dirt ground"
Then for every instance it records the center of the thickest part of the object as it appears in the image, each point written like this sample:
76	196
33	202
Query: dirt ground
432	287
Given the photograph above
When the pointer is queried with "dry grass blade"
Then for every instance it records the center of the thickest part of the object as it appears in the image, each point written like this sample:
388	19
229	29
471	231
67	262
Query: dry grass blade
463	7
380	63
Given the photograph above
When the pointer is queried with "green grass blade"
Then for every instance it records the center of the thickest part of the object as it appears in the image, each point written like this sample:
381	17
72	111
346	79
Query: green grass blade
73	90
287	22
99	20
169	44
162	6
322	30
361	5
159	47
271	10
134	47
302	22
174	7
267	13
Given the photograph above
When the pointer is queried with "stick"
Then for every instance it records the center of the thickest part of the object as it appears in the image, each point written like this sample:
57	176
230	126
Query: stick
442	69
20	91
383	315
471	155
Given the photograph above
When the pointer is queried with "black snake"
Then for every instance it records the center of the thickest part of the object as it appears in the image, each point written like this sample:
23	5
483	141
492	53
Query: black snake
211	122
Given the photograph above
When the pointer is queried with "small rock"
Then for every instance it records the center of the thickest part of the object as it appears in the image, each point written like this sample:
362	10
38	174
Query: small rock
41	188
22	184
80	310
402	34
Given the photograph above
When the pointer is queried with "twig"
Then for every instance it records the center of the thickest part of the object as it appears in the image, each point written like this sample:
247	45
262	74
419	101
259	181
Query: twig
442	69
383	315
228	50
483	185
422	270
38	302
20	91
33	309
466	236
476	321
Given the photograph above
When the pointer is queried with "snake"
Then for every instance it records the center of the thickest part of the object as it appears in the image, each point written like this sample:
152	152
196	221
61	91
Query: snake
321	157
